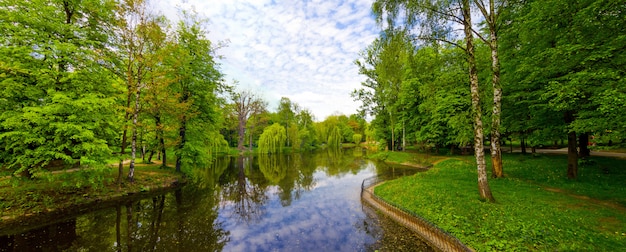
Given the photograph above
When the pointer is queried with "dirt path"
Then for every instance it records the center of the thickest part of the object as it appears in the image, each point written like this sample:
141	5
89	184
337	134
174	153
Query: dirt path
564	151
588	199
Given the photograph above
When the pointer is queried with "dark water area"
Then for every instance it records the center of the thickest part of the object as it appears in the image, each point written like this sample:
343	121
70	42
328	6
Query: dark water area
297	202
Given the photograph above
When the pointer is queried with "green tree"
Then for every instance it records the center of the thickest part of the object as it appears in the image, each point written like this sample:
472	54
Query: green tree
356	138
57	100
384	63
140	38
441	113
335	138
273	139
247	104
573	70
434	18
198	80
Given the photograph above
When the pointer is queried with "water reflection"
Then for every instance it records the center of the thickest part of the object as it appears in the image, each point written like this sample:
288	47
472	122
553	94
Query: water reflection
244	196
299	202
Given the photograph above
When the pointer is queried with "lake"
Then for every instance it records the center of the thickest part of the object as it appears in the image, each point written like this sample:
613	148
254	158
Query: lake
296	202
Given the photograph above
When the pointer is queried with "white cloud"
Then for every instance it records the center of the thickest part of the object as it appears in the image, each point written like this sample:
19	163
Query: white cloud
303	50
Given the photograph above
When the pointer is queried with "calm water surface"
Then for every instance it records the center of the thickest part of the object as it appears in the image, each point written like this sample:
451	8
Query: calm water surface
299	202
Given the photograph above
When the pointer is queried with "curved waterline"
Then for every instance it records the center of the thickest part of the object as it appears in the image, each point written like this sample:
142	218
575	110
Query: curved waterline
433	235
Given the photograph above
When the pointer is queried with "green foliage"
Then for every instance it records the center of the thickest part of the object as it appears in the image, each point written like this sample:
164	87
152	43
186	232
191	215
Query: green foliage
537	205
334	139
198	80
357	138
273	167
574	66
273	139
57	102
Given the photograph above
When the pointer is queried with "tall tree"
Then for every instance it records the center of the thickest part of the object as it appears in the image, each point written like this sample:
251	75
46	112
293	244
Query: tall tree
286	115
434	19
139	37
57	100
572	55
491	12
246	105
198	81
255	120
384	63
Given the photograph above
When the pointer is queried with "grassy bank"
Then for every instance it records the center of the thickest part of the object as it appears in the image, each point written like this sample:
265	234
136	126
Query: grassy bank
21	198
537	207
406	158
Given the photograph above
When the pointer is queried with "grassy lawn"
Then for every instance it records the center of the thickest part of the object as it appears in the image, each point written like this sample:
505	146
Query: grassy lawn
537	207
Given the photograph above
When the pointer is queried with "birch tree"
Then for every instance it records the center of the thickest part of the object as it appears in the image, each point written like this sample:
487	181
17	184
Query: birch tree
435	19
139	36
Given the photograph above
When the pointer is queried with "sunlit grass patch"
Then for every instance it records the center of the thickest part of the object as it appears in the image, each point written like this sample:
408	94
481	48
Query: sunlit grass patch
408	158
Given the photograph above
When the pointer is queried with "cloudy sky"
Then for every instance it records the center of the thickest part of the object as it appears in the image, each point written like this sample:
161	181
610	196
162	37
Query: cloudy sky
300	49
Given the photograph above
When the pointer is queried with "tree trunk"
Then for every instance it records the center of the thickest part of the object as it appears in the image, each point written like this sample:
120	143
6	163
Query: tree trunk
572	156
133	143
162	151
150	156
143	146
403	137
242	132
583	145
120	167
250	138
479	151
572	153
124	140
181	145
496	148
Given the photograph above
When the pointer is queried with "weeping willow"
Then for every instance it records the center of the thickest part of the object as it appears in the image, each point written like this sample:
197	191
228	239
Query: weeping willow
273	139
217	144
334	138
356	138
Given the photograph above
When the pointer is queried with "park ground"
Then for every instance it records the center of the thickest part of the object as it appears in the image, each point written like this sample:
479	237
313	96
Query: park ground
537	208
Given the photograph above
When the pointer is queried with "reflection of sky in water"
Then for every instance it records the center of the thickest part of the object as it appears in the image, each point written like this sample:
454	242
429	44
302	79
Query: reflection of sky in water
323	219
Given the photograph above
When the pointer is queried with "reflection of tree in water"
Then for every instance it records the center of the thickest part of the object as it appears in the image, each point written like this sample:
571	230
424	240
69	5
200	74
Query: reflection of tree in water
185	220
247	198
273	167
293	174
336	163
54	237
209	177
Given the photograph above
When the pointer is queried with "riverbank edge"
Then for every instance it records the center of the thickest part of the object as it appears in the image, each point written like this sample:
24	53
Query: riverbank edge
18	224
434	236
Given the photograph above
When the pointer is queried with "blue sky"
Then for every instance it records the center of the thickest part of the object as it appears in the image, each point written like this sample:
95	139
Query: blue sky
303	50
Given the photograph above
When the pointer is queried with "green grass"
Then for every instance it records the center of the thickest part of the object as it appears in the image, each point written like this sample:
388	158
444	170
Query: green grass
22	197
537	208
407	158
